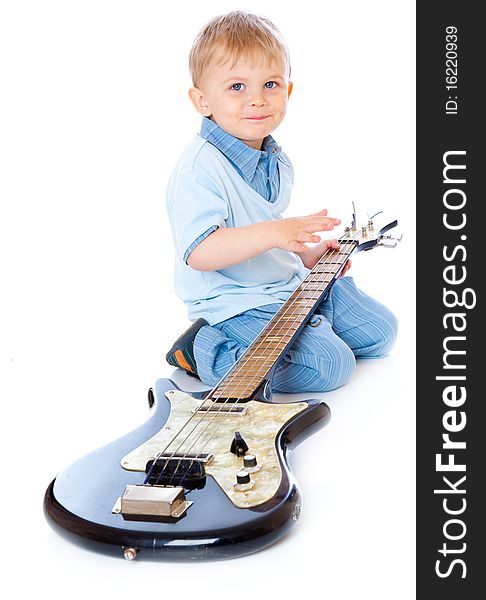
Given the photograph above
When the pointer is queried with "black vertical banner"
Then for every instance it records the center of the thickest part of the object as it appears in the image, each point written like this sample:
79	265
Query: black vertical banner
451	427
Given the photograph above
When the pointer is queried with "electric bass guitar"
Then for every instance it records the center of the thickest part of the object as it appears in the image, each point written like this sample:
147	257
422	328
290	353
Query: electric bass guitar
206	477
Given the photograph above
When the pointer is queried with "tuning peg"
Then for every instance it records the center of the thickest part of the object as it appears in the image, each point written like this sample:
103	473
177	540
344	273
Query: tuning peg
389	241
370	219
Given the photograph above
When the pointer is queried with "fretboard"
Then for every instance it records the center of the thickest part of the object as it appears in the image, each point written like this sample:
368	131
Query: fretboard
247	374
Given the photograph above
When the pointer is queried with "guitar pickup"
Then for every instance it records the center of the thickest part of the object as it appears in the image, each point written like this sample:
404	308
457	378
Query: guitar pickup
152	501
220	408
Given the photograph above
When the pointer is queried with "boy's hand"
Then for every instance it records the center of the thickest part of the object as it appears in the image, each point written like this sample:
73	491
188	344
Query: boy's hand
312	256
291	234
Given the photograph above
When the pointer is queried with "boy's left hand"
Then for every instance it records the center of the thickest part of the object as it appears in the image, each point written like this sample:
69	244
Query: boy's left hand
312	255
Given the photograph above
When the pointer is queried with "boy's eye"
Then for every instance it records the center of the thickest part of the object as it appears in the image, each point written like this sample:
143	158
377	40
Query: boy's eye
271	84
237	87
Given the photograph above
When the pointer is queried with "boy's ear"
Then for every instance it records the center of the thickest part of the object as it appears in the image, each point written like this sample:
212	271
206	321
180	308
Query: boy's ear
291	87
199	101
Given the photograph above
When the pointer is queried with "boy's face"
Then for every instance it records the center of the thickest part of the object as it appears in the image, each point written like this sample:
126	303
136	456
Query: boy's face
248	100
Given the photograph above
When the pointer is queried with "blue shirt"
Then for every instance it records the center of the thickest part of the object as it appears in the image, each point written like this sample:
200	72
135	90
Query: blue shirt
208	190
259	168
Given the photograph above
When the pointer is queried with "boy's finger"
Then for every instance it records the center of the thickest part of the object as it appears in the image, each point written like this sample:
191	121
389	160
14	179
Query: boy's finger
328	220
321	213
313	227
307	236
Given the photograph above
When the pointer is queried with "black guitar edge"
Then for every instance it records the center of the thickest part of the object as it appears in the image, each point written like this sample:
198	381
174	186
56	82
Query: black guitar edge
78	503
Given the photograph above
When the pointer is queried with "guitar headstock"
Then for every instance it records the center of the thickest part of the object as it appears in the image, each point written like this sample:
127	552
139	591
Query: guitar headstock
371	232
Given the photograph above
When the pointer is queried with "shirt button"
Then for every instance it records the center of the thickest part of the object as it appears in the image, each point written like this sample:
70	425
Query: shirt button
274	150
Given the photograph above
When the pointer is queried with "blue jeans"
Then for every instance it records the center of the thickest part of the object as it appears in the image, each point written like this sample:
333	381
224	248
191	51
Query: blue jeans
346	324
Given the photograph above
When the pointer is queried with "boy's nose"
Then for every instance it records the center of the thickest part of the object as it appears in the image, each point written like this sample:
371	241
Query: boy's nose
257	101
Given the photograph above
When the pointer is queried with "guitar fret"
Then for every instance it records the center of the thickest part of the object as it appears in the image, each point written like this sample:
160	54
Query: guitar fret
253	361
235	390
252	364
252	378
321	280
315	276
280	335
334	260
306	297
263	340
293	315
270	346
328	272
246	379
243	386
264	348
248	372
336	264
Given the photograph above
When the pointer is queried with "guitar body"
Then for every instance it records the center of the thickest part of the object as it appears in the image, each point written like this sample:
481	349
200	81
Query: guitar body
221	522
207	476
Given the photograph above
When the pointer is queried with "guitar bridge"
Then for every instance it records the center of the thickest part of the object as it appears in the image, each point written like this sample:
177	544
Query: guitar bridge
152	501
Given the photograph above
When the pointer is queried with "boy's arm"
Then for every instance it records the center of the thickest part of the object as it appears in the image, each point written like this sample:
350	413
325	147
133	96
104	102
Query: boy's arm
229	246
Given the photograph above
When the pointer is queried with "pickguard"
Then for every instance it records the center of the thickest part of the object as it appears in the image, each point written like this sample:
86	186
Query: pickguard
213	433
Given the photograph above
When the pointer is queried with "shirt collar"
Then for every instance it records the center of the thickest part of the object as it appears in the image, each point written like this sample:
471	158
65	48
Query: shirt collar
242	155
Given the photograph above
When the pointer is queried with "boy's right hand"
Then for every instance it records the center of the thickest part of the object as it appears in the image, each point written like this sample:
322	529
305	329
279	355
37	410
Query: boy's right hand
292	233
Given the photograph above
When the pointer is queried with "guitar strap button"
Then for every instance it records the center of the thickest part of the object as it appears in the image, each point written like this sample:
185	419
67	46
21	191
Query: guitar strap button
315	321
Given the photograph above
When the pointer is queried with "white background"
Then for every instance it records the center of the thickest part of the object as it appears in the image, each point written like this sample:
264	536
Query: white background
94	112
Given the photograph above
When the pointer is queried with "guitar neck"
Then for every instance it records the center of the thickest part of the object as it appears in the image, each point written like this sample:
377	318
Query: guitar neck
253	367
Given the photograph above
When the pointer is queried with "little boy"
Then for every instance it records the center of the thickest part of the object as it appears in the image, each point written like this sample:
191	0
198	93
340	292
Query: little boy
236	259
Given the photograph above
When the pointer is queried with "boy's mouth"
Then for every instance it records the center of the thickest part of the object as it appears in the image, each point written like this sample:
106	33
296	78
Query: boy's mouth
257	118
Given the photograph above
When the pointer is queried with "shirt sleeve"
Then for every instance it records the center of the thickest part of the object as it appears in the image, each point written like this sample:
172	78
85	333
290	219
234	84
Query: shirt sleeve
197	241
196	208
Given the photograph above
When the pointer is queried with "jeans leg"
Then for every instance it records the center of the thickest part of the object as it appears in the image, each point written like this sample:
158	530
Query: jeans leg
215	353
218	347
368	327
318	361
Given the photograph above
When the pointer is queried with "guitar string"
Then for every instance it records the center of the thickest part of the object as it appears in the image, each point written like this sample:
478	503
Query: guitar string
331	252
256	377
164	450
273	332
350	240
223	404
262	367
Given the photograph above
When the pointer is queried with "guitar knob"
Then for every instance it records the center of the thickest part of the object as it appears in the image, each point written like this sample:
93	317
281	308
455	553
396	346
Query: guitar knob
250	463
243	481
243	477
238	445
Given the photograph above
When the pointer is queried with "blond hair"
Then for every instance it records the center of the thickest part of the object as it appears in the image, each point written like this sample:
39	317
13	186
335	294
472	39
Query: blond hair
236	35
